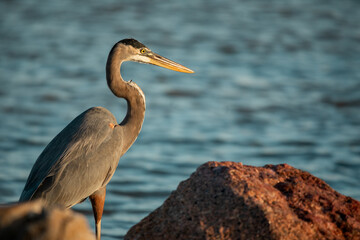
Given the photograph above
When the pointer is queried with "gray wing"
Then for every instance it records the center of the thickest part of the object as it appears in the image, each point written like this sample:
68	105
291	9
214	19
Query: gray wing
77	162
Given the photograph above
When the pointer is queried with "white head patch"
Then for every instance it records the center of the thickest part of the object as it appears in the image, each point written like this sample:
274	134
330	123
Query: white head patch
141	59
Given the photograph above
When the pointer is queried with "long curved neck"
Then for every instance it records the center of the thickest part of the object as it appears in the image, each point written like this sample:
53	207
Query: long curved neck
132	93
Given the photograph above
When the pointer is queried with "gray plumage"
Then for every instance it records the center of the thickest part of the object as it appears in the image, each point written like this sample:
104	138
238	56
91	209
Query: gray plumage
85	153
80	161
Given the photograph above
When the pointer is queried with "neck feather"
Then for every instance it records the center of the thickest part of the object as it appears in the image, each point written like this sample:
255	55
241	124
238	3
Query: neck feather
130	91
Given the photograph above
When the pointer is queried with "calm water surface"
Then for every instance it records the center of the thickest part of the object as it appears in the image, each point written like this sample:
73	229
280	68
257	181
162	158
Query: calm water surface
276	82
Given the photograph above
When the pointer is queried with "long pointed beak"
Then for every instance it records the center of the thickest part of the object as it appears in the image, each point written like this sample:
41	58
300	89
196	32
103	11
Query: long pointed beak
158	60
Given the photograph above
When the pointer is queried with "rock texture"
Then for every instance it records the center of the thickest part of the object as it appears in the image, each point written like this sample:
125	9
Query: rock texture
230	201
32	221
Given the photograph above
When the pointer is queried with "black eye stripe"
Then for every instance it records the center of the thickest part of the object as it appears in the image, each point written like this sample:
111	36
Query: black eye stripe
132	42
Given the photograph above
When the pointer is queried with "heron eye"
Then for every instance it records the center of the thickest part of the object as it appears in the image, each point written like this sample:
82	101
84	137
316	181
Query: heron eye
143	50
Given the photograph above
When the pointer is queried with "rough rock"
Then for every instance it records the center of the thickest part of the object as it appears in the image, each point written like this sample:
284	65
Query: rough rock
230	201
32	220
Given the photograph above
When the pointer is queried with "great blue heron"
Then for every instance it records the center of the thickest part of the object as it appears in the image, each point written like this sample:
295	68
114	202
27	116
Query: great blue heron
80	161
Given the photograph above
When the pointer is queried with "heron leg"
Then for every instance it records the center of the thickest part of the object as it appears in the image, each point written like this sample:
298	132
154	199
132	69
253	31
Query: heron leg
97	201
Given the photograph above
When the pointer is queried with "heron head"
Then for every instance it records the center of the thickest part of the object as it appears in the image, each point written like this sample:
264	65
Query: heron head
138	52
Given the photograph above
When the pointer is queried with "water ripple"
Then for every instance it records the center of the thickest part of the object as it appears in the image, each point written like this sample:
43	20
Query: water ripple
272	84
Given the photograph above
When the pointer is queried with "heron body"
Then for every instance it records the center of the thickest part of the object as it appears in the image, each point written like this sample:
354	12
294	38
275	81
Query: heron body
75	160
80	161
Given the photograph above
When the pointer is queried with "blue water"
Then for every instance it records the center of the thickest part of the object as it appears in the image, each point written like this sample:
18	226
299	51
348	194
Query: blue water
276	82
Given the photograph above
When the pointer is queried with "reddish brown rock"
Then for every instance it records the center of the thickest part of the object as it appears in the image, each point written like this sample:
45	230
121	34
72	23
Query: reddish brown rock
32	221
230	201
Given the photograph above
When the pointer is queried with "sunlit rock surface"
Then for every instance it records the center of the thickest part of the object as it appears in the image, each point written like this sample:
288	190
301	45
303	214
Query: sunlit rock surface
32	221
230	201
